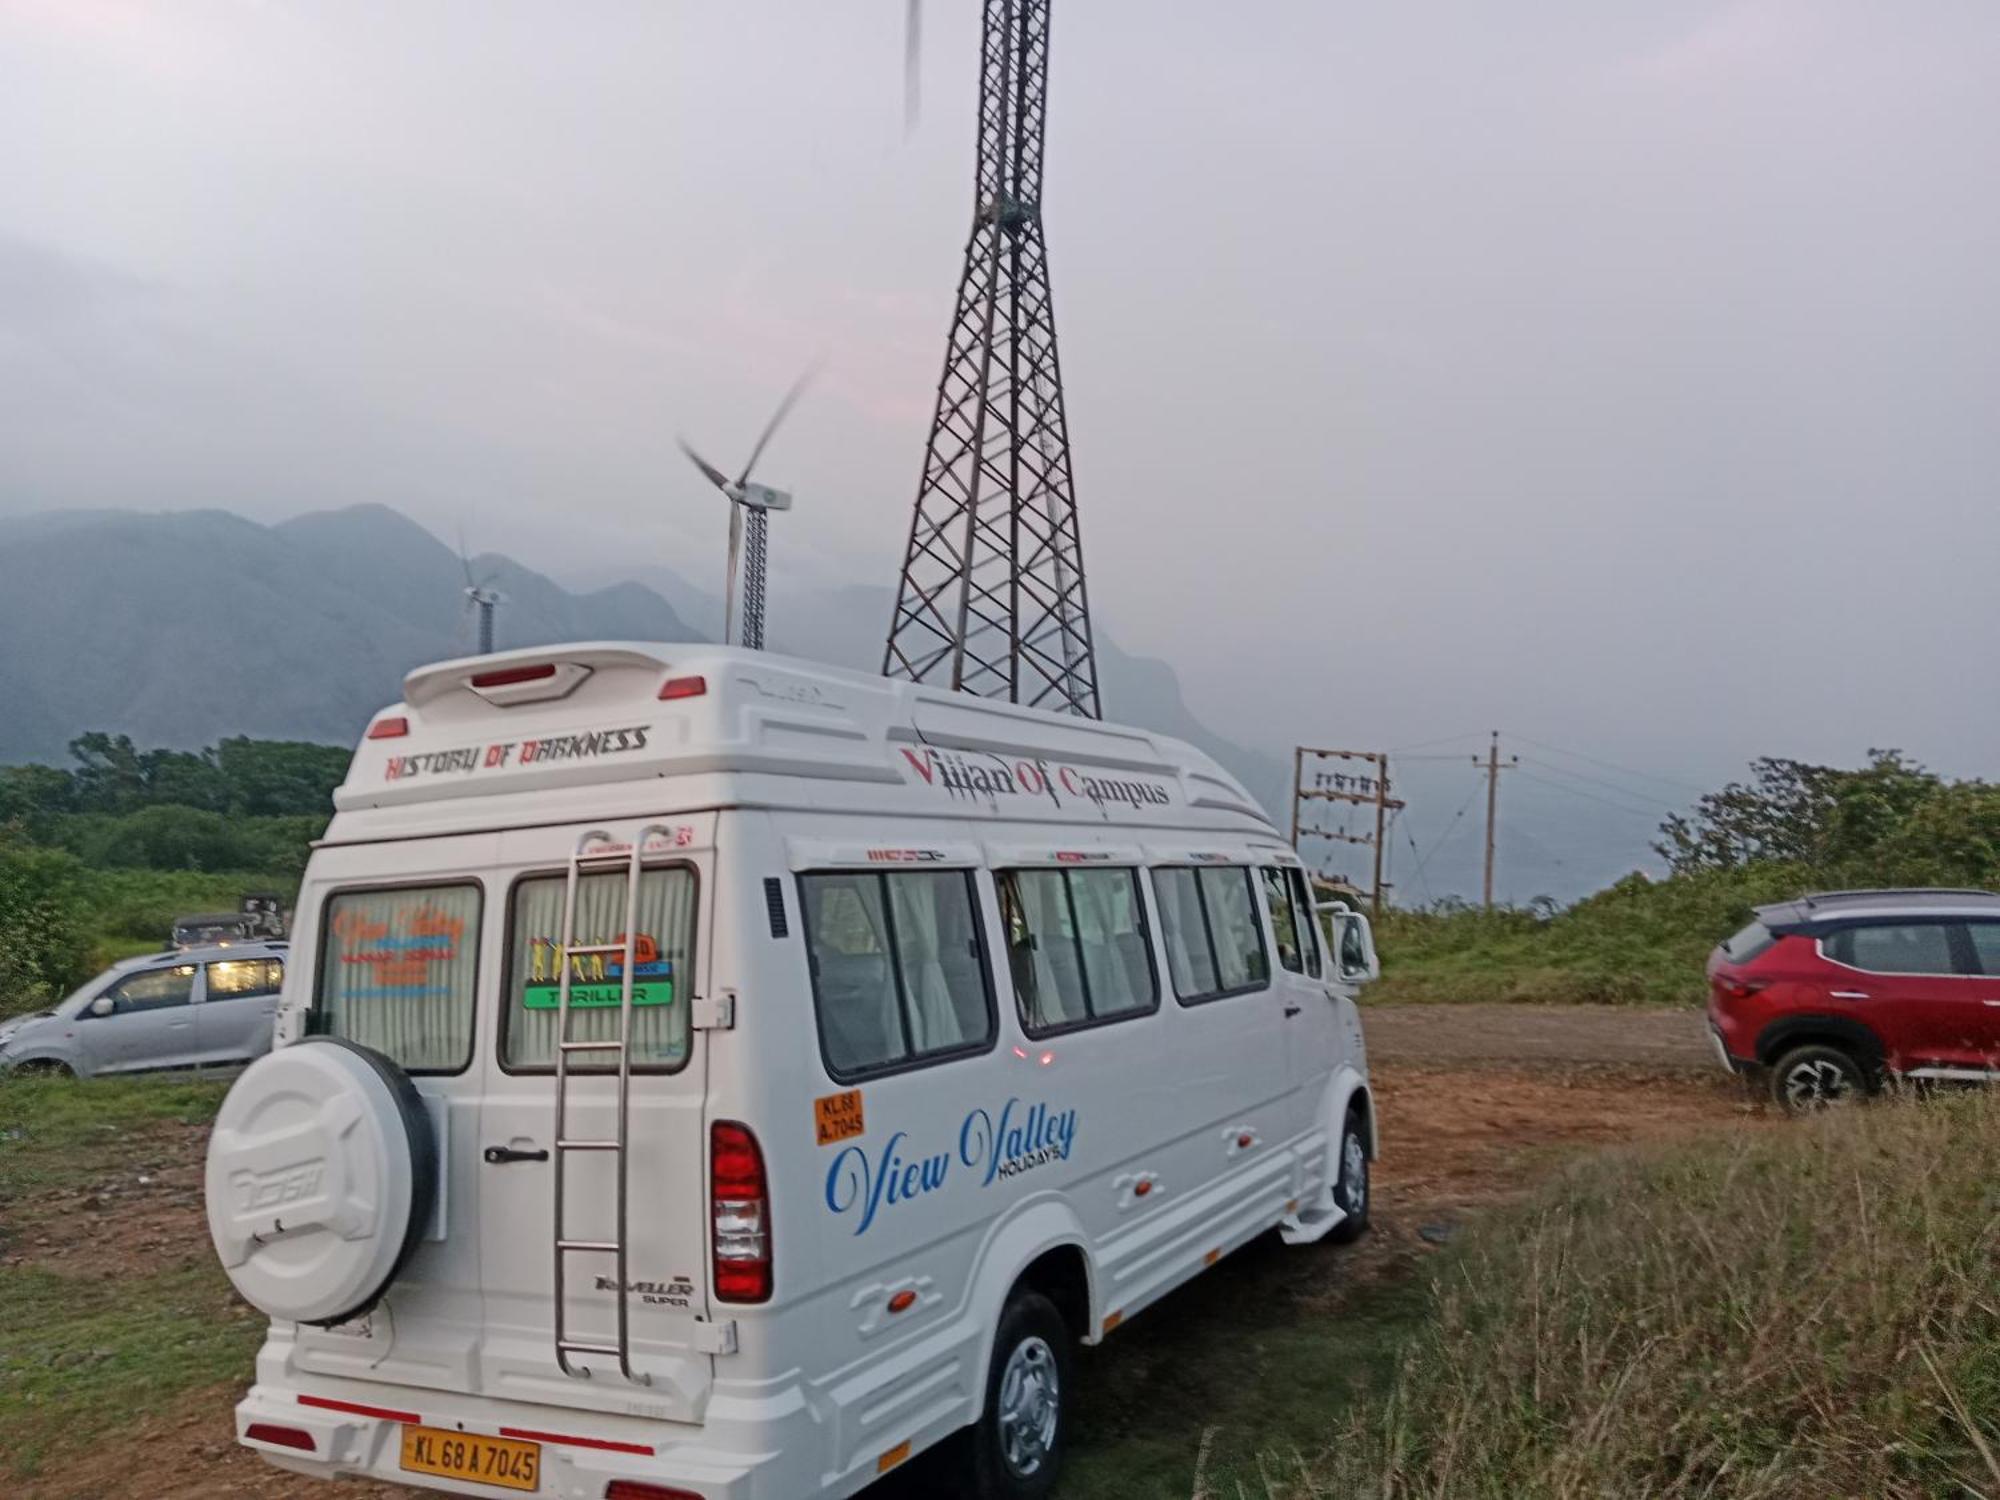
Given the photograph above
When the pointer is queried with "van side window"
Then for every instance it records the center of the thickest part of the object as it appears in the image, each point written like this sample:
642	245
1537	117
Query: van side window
1215	942
1306	922
898	968
1284	922
662	969
1077	947
396	973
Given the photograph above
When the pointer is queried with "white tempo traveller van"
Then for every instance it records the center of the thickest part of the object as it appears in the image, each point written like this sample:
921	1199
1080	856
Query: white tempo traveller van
707	1074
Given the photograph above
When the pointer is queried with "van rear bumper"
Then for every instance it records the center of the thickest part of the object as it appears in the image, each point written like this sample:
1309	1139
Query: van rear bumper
356	1438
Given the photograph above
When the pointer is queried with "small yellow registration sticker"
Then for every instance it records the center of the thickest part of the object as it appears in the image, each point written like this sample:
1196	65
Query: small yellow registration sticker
504	1462
838	1116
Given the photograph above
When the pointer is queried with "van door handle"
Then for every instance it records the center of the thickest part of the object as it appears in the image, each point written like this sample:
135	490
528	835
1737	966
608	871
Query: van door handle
501	1155
1292	1008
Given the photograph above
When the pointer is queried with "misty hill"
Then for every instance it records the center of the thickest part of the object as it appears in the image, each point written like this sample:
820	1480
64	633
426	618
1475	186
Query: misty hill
187	627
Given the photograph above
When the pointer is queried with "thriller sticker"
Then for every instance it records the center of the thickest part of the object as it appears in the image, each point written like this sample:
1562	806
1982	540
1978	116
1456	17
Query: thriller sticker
838	1117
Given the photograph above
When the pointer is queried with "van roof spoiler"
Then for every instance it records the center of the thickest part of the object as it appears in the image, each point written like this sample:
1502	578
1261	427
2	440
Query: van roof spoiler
428	684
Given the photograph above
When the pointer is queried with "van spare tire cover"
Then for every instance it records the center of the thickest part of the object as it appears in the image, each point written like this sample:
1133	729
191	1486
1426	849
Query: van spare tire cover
322	1169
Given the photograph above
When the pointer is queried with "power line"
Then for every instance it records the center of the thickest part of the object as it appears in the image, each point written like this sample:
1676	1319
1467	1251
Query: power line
1610	786
1418	873
1470	734
1606	765
1577	791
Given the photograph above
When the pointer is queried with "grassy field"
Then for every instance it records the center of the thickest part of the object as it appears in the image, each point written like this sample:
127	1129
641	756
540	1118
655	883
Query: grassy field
1638	942
94	1336
1811	1311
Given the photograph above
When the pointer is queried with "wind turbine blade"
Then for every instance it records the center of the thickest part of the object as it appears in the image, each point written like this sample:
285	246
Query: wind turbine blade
784	409
913	49
715	476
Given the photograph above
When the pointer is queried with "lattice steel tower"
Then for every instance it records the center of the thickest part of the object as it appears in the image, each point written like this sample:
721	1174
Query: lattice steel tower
992	598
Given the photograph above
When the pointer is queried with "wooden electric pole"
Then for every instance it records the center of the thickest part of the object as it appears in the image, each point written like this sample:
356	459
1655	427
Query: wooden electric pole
1493	769
1368	789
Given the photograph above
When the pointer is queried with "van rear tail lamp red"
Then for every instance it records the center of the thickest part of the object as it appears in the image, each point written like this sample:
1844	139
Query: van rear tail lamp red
638	1489
739	1214
392	728
682	687
513	676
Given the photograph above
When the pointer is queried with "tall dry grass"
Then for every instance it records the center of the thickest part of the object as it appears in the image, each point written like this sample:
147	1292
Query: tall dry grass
1812	1311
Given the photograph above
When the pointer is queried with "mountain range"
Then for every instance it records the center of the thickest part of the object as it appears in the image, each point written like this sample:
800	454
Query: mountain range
184	627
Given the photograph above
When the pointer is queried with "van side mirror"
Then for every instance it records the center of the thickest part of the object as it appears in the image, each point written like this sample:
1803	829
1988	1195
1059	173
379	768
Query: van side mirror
103	1005
1353	944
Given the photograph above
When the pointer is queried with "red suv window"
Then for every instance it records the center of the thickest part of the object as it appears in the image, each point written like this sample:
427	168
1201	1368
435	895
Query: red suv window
1895	948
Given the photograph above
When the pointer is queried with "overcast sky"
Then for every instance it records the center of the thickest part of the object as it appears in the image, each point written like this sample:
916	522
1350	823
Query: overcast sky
1621	375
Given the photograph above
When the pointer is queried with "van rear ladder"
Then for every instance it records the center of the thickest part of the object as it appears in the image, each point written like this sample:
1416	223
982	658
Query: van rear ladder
597	852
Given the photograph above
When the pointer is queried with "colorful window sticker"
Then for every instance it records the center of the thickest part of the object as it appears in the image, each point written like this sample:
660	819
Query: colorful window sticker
596	979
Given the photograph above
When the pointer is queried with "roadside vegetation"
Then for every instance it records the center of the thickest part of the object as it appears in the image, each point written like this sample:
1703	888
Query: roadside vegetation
1791	828
1799	1312
96	860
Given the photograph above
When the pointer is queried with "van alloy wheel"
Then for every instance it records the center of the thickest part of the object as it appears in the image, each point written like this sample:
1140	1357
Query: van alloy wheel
1350	1183
1030	1402
1353	1174
1015	1450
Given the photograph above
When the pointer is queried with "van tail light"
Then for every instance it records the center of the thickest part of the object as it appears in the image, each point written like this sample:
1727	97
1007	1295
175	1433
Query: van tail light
638	1489
682	687
281	1437
1741	989
515	676
389	729
739	1201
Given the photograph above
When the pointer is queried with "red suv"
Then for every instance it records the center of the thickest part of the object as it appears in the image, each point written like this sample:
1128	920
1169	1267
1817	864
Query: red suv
1833	995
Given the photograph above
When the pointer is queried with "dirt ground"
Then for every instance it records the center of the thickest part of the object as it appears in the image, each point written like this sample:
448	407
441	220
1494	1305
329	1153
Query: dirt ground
1477	1103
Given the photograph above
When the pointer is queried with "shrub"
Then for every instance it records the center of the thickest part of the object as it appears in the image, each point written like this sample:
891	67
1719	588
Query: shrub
42	926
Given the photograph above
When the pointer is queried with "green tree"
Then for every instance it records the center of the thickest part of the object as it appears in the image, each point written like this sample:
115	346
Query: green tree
1822	818
281	776
42	943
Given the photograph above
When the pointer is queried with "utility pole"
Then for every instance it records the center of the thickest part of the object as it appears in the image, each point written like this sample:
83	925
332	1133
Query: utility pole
1493	769
1369	789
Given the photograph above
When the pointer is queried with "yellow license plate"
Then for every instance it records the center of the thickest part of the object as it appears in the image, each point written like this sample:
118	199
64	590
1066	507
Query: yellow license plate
466	1455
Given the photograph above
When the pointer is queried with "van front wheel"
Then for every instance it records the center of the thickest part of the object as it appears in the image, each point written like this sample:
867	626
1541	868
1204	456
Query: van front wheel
1017	1448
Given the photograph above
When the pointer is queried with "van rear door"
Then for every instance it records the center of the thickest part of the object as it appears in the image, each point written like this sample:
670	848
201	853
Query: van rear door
671	1339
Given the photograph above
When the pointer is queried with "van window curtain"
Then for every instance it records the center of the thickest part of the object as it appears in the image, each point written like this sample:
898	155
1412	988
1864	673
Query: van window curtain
662	979
396	973
898	966
1052	956
1112	937
1189	961
1241	961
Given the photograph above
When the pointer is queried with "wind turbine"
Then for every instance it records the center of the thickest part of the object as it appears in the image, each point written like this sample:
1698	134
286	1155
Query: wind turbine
482	596
747	564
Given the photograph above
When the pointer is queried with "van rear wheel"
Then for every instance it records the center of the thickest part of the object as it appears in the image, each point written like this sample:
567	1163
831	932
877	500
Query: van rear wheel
1017	1446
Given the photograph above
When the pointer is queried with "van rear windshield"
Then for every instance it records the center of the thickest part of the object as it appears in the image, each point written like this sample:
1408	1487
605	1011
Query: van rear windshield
398	972
663	955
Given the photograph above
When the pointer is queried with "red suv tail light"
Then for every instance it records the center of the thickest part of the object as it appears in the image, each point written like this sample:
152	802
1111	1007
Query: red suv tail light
1741	989
739	1201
